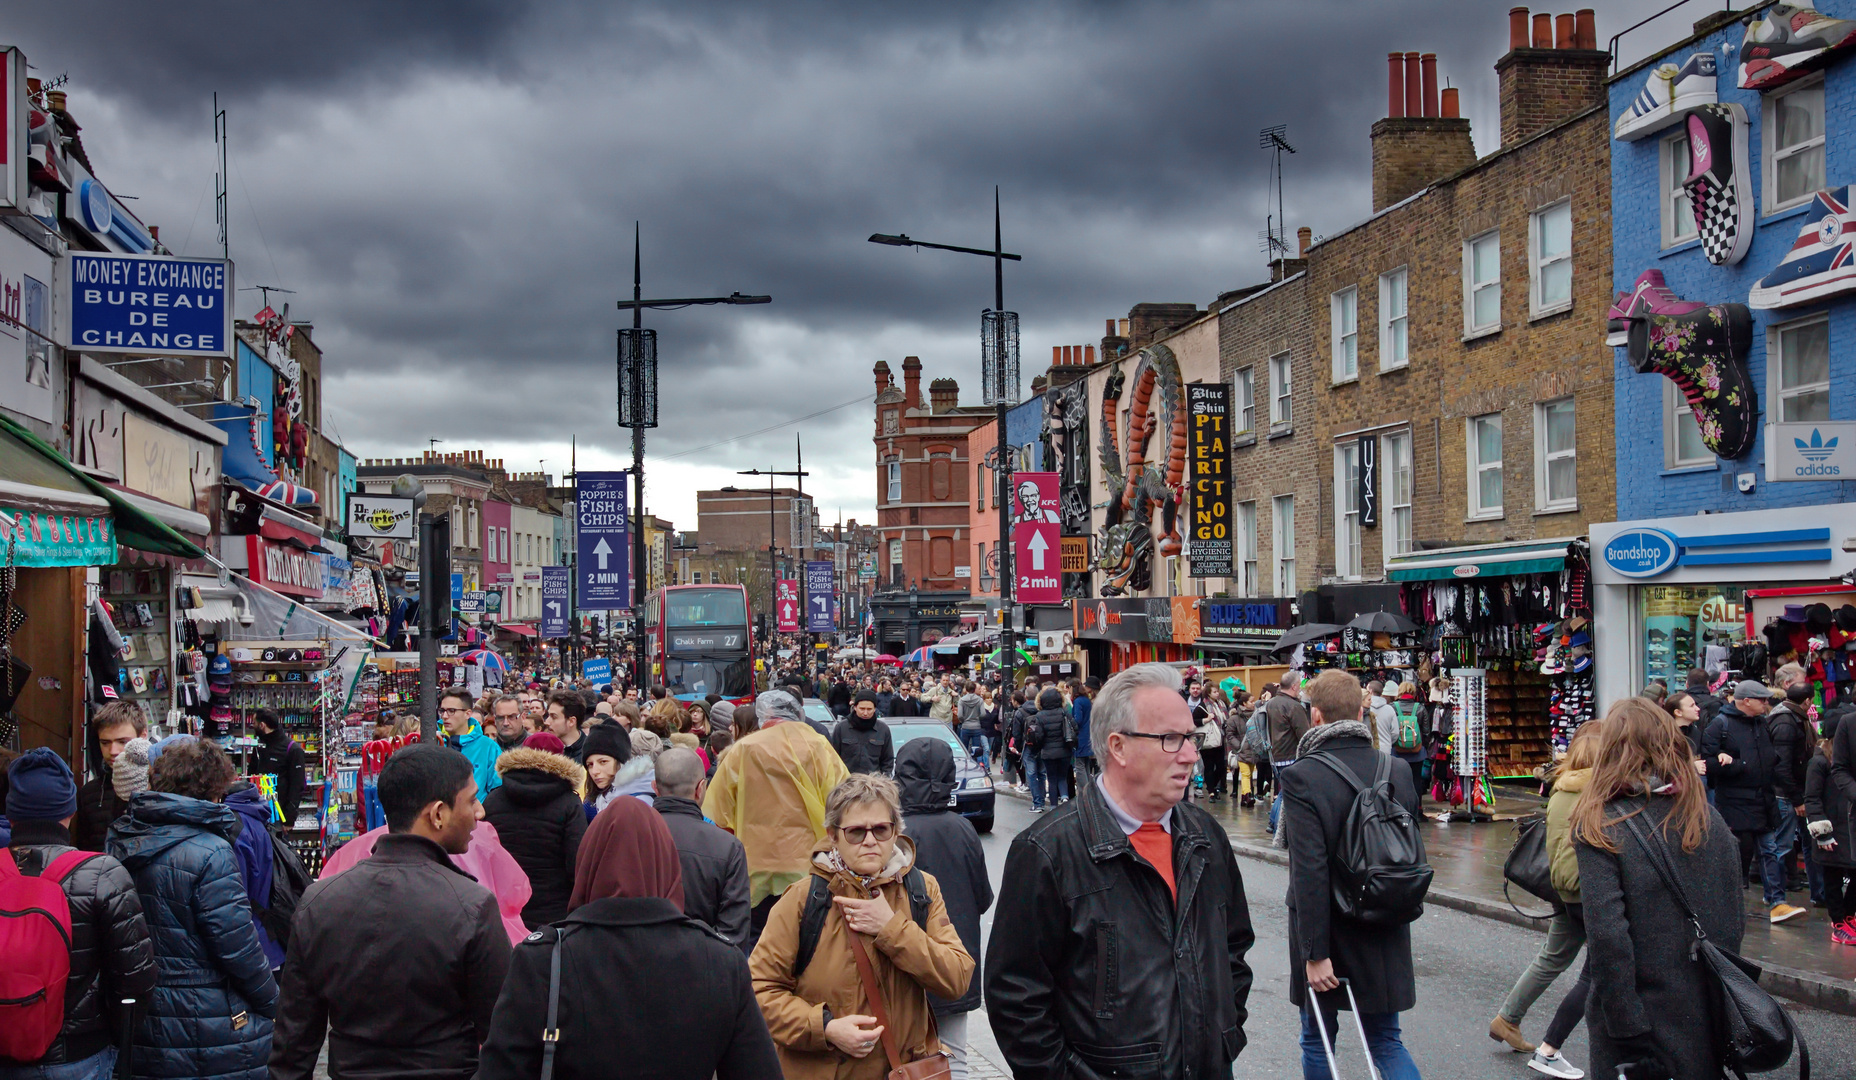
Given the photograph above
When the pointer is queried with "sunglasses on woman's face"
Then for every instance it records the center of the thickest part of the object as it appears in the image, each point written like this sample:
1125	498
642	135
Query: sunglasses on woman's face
857	834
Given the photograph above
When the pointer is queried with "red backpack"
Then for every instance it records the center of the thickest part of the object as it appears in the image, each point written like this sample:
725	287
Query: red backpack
35	954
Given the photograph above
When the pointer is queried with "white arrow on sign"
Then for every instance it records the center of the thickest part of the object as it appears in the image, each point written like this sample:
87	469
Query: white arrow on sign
820	601
602	549
555	607
1037	546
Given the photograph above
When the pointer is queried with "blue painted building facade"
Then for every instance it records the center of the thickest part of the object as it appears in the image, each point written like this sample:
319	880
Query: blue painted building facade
1024	432
1709	551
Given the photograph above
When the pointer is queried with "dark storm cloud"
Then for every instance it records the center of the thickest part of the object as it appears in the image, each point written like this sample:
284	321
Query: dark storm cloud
450	187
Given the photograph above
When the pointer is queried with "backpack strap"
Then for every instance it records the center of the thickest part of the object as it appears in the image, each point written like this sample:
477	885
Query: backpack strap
1340	767
64	865
812	922
551	1034
918	897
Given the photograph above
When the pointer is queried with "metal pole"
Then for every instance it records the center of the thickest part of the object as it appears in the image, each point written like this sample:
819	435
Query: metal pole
1007	651
640	578
429	588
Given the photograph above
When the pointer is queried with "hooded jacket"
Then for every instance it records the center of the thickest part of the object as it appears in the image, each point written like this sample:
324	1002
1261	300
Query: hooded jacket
540	819
940	702
212	968
909	962
253	847
282	757
97	807
969	709
112	957
1793	739
946	847
865	745
715	870
636	779
1050	722
482	752
1743	788
1562	861
770	791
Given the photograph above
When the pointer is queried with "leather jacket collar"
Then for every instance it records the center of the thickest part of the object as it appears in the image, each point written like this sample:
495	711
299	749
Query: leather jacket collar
412	848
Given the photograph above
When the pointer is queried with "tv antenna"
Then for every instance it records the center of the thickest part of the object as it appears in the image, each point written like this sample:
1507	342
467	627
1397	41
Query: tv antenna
222	210
267	290
1276	234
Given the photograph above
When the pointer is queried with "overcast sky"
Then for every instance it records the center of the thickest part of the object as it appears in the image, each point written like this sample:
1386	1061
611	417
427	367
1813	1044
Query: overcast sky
449	188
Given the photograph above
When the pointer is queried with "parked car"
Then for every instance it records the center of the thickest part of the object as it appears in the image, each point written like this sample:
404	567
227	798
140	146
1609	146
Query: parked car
973	795
819	713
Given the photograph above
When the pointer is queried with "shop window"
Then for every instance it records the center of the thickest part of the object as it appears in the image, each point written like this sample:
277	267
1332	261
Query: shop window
1803	370
1485	465
1344	323
1688	626
1682	445
1556	480
1793	134
1395	492
1280	374
1550	268
1283	530
1394	320
1244	387
1482	284
895	481
1672	168
1247	548
1347	510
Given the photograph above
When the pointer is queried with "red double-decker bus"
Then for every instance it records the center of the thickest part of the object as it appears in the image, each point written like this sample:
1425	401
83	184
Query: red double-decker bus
699	641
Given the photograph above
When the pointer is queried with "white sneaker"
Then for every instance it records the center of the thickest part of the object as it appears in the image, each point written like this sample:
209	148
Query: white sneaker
1668	93
1557	1065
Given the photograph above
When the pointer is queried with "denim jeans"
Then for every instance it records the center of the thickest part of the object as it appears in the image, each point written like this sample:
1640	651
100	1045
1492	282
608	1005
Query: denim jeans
98	1066
1565	937
1775	849
952	1030
975	742
1382	1041
1034	778
1054	779
1276	803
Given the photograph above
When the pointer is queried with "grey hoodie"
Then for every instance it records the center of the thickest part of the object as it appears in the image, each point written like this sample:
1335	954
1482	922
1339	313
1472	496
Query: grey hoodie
969	709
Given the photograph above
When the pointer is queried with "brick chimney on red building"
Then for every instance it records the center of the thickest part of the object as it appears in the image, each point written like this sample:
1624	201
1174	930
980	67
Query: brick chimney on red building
943	395
1421	139
911	382
1554	69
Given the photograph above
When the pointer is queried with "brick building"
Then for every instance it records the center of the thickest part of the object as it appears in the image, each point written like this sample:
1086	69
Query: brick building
922	472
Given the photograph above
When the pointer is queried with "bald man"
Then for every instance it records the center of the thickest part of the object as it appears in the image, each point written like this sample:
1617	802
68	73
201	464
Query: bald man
715	868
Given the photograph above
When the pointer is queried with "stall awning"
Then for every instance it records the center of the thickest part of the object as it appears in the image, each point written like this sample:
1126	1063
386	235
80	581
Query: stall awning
523	629
1481	560
25	459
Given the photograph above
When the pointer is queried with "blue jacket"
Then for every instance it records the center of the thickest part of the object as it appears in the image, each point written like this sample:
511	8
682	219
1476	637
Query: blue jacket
211	968
482	752
253	848
1079	711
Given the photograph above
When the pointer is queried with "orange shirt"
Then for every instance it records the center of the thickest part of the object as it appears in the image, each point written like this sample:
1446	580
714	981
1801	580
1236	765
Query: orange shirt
1156	846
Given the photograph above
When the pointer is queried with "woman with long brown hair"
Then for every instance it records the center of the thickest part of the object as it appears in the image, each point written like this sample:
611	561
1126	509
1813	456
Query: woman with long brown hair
1645	806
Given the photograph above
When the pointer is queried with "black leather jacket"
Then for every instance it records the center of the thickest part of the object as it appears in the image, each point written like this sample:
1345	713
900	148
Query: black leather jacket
1087	958
112	957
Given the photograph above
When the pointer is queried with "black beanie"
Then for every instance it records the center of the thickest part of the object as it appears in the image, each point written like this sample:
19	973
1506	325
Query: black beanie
607	738
863	696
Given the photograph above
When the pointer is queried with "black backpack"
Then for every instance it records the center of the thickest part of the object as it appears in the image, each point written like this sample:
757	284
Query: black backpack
818	905
1379	871
289	877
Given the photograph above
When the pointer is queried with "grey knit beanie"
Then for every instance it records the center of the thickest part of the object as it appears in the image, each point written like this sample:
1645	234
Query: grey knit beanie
130	773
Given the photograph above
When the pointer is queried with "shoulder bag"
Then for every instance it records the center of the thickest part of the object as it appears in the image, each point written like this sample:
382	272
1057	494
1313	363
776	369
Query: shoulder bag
1528	865
1754	1032
934	1067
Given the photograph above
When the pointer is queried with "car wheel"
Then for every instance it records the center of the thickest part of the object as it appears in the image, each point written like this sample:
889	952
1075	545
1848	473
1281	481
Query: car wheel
983	824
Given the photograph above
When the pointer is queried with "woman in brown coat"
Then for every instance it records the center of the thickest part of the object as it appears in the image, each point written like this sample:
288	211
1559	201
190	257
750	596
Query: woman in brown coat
821	1018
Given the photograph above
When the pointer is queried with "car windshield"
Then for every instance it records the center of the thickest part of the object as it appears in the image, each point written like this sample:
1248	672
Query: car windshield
819	711
905	733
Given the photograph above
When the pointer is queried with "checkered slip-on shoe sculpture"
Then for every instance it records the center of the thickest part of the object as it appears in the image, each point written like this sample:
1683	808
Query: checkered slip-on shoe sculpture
1704	353
1720	187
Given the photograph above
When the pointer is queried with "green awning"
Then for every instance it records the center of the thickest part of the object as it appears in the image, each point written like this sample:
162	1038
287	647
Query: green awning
135	527
1481	560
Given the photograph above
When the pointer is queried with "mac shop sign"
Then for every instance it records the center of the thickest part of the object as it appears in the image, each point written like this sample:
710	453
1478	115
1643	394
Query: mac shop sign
1641	552
1810	451
155	305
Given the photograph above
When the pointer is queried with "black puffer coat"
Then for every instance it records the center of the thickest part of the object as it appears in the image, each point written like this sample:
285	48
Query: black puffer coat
866	746
111	955
211	968
1744	790
1049	743
946	847
540	819
97	808
1824	802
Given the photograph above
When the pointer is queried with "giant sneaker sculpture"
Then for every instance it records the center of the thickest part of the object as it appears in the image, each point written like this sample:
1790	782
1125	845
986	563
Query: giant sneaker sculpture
1670	92
1823	260
1786	42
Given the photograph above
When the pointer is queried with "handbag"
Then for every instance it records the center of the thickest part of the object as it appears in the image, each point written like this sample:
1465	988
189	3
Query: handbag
933	1067
1754	1032
1528	865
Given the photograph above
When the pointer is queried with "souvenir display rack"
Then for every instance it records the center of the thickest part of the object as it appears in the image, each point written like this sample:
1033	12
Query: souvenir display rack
140	606
299	682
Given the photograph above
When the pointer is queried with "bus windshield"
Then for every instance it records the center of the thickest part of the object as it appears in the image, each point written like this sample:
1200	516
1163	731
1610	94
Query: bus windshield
705	607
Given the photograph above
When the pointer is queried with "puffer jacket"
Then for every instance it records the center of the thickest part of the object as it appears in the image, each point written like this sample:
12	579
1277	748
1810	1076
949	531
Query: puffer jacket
111	955
97	807
1050	724
253	847
909	962
1828	813
210	1013
540	819
1562	861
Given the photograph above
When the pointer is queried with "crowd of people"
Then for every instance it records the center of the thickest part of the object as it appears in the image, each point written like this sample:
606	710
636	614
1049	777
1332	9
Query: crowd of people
564	851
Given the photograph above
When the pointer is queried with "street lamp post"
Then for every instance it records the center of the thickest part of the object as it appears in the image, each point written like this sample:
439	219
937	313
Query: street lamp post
999	335
638	410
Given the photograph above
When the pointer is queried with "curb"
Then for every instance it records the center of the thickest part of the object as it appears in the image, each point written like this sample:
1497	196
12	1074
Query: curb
1805	987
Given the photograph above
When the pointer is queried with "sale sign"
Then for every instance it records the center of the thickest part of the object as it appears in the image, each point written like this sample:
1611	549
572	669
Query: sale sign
786	605
1037	539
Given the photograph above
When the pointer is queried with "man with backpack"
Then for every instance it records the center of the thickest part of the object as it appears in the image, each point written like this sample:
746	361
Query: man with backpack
1357	878
1408	746
51	894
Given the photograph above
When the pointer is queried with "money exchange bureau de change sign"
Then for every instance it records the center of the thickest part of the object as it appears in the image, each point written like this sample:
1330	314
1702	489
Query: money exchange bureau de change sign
150	304
603	559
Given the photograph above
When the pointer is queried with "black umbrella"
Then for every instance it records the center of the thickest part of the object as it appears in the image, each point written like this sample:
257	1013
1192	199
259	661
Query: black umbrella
1383	622
1305	633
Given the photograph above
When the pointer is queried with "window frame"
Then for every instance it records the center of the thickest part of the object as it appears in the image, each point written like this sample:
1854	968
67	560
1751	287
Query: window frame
893	480
1396	538
1394	327
1674	406
1776	391
1344	343
1771	154
1282	396
1244	391
1476	467
1544	457
1673	204
1537	263
1349	547
1247	583
1471	286
1283	553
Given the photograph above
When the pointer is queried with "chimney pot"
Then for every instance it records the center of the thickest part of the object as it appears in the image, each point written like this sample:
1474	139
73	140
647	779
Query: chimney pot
1056	355
1450	102
1543	31
1089	354
1565	34
1304	239
1428	62
1414	86
1586	33
1125	326
1517	28
1395	84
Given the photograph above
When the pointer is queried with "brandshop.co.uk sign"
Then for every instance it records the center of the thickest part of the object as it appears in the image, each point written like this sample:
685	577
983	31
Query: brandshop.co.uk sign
1642	553
153	305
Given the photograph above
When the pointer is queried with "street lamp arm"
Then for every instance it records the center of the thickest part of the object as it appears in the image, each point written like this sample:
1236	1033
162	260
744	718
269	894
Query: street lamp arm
903	240
696	301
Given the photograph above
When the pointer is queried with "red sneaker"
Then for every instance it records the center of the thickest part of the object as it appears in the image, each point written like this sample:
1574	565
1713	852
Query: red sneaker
1843	933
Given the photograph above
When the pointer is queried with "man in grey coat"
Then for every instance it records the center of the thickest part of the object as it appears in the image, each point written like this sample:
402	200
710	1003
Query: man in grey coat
1287	720
715	866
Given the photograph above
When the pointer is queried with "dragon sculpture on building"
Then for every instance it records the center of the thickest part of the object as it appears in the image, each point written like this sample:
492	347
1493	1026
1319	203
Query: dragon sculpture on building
1137	486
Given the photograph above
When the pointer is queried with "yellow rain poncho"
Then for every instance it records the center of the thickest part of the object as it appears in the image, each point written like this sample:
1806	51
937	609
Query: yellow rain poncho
769	790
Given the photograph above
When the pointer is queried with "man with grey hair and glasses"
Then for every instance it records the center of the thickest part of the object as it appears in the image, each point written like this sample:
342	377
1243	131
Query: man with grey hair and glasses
1119	938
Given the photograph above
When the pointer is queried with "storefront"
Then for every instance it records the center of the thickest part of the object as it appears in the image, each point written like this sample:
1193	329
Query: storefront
1115	633
1243	631
1712	592
906	621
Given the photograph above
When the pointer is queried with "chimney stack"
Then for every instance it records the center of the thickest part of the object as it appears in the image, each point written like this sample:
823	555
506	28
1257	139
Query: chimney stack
1420	140
1557	73
911	382
943	395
